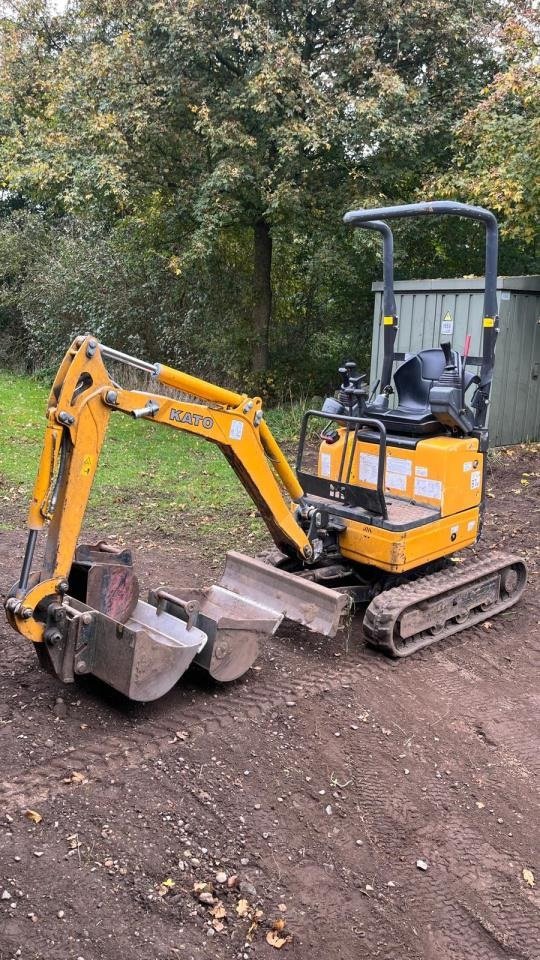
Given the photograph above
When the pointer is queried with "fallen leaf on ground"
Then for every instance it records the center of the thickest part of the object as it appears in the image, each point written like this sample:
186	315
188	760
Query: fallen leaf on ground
33	815
219	911
251	932
218	925
76	777
181	734
279	924
275	940
202	887
528	877
165	887
242	908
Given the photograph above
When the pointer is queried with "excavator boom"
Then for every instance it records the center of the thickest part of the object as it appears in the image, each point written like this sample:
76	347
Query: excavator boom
72	608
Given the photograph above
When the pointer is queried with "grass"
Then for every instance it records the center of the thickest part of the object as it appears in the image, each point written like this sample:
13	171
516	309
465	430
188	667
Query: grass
145	472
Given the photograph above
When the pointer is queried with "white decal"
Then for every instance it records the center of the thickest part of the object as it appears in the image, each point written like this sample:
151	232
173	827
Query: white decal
421	471
396	480
447	325
467	466
236	431
471	525
398	465
369	465
326	464
476	479
428	488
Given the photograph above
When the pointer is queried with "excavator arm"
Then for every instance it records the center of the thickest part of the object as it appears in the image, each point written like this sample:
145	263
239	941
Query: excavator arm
251	599
81	401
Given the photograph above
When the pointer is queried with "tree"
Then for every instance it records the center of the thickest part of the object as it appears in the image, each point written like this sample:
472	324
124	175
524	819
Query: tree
184	121
498	140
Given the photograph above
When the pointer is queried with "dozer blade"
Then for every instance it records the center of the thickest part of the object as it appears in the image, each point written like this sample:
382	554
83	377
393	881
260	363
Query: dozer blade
248	605
316	607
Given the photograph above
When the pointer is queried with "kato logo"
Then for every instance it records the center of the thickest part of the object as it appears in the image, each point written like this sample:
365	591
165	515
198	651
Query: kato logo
193	419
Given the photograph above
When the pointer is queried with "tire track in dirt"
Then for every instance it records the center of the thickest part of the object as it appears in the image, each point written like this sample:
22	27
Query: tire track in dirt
152	739
238	704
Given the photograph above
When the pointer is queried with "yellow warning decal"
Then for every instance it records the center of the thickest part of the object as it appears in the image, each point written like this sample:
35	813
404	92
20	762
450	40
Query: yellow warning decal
388	321
489	322
87	465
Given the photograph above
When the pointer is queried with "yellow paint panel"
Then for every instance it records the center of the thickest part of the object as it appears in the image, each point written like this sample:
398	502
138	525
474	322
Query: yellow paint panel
442	472
398	551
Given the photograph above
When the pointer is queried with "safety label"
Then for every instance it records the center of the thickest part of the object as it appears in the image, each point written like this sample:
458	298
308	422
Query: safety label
369	465
467	466
421	471
399	465
326	464
447	325
86	467
236	430
476	479
395	481
428	488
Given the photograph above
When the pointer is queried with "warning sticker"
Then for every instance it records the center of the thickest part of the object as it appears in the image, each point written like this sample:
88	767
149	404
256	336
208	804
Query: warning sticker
476	479
86	468
369	465
471	525
421	471
428	488
395	481
236	430
447	325
399	465
467	466
326	464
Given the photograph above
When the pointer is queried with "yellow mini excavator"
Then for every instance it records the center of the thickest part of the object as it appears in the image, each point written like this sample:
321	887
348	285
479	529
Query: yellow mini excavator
387	487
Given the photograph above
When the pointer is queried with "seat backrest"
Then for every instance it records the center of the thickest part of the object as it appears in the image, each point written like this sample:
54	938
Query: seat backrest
414	379
412	386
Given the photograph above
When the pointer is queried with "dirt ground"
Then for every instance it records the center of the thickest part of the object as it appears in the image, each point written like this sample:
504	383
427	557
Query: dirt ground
319	781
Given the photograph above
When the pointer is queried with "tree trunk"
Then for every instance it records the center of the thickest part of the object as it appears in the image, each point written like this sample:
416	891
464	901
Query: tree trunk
262	295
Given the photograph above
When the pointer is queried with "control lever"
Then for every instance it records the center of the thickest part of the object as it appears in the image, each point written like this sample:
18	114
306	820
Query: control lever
448	358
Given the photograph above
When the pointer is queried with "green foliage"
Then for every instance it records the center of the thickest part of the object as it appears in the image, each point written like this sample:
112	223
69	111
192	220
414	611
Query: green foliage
498	154
147	475
141	141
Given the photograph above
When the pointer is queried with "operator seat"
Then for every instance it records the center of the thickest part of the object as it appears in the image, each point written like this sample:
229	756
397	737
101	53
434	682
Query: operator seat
413	381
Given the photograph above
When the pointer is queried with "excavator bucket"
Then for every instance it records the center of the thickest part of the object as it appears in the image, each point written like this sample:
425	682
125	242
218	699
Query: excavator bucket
142	649
142	658
248	605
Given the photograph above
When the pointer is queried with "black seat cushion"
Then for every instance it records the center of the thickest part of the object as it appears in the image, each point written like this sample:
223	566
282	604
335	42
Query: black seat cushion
413	381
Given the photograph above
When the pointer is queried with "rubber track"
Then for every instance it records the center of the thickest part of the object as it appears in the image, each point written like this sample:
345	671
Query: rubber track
385	609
